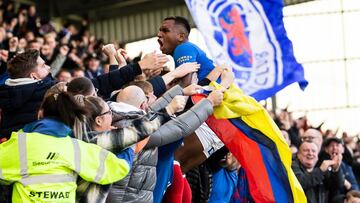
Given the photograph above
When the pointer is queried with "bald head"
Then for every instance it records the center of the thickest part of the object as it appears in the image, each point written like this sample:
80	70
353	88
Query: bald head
313	135
132	95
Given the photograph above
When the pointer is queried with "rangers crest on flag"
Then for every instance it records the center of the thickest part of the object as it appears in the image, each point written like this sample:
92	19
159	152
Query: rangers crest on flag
240	33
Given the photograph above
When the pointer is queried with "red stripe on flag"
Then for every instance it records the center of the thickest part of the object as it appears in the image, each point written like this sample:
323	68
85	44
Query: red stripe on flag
247	152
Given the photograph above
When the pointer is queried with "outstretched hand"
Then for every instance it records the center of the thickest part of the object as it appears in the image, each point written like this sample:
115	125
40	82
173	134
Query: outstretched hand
185	69
153	61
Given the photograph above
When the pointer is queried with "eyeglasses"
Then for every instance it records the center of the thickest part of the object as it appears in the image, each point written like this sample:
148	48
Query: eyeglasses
107	112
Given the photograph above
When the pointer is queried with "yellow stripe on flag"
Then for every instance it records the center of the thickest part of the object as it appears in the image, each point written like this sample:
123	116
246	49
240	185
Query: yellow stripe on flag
238	105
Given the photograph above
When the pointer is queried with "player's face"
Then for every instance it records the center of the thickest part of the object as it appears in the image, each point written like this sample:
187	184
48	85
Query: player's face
168	37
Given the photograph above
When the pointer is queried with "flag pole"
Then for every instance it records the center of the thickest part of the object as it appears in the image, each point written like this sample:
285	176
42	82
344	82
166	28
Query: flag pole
273	103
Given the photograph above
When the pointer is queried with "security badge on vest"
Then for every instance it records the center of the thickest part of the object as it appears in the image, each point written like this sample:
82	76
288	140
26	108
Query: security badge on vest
50	159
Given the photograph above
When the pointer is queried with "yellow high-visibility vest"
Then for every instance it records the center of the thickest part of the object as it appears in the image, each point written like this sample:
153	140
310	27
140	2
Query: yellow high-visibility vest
44	168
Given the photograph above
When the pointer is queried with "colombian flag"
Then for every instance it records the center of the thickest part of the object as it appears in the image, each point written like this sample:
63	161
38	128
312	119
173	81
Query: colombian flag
247	130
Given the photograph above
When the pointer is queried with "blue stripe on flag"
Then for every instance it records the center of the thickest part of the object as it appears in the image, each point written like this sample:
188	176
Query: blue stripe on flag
276	170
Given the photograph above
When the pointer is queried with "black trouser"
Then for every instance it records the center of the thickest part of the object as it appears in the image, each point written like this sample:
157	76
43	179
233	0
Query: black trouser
5	193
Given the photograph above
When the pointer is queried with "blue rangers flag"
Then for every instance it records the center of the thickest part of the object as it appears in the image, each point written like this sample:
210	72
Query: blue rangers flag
249	35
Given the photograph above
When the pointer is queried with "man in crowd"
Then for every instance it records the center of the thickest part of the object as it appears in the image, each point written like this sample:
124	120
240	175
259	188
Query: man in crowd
64	76
352	196
93	66
23	92
319	183
312	135
332	147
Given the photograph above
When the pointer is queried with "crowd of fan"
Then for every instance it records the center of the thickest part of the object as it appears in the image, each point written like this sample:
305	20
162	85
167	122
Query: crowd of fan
71	52
89	72
141	117
327	167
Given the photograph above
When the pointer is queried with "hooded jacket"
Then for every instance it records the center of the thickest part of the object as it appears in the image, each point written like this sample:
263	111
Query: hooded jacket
20	102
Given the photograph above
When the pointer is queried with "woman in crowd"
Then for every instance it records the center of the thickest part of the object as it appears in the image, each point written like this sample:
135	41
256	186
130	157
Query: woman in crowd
98	130
46	159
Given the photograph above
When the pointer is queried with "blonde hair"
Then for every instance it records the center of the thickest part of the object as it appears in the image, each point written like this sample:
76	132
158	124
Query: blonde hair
56	89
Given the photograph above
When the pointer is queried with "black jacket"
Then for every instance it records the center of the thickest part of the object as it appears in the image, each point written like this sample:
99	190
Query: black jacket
319	186
20	103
